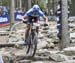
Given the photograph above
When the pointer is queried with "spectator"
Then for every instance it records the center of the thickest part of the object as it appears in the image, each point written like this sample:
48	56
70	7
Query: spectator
1	11
5	10
18	10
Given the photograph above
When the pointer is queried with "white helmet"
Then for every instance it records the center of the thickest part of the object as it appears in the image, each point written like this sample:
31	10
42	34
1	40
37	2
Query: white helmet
35	8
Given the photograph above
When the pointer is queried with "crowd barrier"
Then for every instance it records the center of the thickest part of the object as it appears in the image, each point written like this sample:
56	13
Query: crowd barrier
5	19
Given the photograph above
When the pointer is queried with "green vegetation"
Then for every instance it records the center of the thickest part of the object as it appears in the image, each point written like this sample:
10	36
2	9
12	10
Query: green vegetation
4	2
41	3
72	8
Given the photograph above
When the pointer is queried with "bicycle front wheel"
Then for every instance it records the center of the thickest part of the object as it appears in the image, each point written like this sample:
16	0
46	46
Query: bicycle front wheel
32	46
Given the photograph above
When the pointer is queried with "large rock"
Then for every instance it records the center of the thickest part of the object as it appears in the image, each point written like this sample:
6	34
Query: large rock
41	44
49	42
72	35
13	39
16	36
24	61
50	45
69	51
40	35
69	61
40	51
58	57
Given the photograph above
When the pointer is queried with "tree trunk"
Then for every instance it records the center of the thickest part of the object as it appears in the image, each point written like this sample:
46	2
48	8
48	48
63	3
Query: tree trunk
29	4
20	4
12	8
25	5
55	6
49	7
65	38
35	1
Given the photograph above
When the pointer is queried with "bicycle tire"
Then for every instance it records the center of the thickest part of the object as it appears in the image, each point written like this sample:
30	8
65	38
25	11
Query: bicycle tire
34	50
27	45
34	45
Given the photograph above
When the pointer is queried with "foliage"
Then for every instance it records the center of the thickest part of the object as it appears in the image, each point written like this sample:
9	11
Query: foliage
72	8
41	3
4	3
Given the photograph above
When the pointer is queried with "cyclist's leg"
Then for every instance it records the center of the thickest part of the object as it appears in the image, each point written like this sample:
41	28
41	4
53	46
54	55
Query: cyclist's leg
27	31
28	27
37	29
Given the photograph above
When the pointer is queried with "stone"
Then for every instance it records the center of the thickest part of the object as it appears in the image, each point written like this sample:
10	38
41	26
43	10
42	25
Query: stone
69	61
40	35
41	44
20	31
42	51
49	40
24	61
72	35
13	39
38	62
58	57
54	52
69	51
50	45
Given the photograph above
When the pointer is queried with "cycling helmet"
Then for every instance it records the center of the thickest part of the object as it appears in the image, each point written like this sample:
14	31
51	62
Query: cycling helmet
35	8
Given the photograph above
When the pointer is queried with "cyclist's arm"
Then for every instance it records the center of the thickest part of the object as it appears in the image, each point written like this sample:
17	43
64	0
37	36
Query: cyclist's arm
42	14
24	17
45	19
27	14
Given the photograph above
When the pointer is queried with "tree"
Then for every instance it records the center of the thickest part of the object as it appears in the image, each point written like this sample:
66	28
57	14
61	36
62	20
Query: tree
49	6
29	4
65	38
72	8
34	2
12	9
4	2
42	4
20	4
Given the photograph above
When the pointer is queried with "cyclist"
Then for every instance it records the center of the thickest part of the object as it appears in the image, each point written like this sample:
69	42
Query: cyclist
35	13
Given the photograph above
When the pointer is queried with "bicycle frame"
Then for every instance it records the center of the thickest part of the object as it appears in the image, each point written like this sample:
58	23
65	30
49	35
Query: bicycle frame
33	30
32	39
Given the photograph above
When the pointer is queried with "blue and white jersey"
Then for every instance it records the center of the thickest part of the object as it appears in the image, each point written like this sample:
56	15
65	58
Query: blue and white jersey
31	12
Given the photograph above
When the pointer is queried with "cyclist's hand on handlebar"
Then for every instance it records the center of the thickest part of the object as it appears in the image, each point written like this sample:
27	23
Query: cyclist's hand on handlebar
24	21
45	24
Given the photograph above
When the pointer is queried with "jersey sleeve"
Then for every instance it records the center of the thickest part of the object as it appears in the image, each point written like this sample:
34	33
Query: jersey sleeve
41	13
28	12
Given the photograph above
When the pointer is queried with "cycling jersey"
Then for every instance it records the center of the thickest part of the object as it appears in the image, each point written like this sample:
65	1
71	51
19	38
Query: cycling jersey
31	13
34	13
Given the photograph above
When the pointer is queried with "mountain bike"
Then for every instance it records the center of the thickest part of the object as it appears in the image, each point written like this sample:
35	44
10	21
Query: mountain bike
32	39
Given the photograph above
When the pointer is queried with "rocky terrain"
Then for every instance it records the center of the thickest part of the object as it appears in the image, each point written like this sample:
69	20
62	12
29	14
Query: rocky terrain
12	49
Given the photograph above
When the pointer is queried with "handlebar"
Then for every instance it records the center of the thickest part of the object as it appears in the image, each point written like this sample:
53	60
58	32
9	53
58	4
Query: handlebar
25	22
33	22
